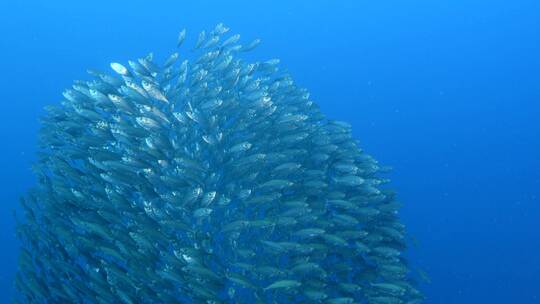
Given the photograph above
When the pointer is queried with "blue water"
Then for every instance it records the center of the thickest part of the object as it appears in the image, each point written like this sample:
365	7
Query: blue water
446	92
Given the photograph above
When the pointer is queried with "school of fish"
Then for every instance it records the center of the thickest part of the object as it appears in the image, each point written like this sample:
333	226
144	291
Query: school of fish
205	181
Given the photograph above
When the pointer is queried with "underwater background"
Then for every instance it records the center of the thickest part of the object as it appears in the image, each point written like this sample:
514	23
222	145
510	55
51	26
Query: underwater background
444	92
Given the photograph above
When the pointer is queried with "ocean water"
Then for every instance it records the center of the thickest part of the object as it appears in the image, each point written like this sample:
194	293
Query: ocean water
445	92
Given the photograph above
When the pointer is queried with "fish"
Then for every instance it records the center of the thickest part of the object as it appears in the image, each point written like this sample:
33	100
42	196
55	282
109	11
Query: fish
315	295
385	300
389	288
120	69
349	180
220	29
154	91
283	284
171	60
148	123
308	232
340	300
200	40
181	38
252	45
231	40
275	184
208	178
241	147
211	42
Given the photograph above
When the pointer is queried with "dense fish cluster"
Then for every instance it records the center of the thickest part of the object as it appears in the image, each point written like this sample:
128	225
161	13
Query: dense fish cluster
206	181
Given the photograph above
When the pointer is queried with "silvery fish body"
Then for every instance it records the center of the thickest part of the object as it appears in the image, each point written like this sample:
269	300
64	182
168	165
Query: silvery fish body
181	38
119	68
